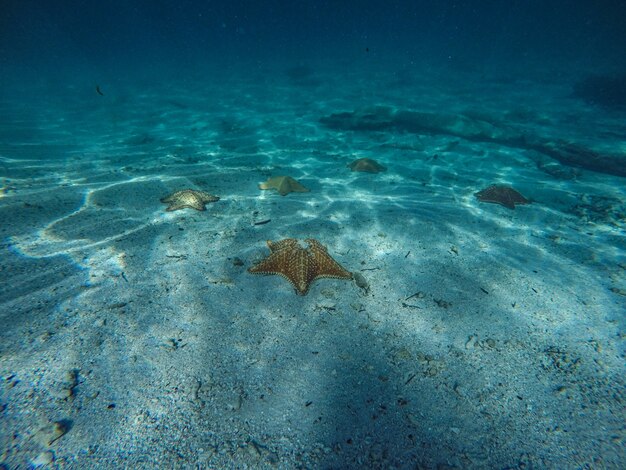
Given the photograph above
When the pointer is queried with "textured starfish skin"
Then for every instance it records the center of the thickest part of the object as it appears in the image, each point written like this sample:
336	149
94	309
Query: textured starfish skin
284	185
300	266
503	195
367	165
188	198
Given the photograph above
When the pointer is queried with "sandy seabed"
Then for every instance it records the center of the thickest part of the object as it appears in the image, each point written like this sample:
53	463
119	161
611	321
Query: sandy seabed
133	337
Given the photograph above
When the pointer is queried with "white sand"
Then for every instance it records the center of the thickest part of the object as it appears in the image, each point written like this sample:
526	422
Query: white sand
488	337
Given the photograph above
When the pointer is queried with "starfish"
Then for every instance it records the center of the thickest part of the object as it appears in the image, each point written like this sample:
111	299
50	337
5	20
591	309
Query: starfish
300	266
367	165
503	195
284	185
188	198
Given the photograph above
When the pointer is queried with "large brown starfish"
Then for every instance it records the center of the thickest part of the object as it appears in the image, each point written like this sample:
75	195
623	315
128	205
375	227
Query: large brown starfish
366	165
503	195
188	198
284	185
300	266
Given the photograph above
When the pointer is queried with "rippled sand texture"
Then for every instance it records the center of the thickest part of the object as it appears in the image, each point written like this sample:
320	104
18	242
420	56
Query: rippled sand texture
476	336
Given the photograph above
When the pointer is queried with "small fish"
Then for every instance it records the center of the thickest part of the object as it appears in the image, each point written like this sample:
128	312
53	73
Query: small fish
99	91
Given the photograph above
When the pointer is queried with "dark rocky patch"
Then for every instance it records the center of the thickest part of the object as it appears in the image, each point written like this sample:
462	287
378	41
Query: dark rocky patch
603	90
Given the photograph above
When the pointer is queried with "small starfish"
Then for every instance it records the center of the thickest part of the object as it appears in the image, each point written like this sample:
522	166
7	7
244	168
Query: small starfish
503	195
188	198
300	266
367	165
284	185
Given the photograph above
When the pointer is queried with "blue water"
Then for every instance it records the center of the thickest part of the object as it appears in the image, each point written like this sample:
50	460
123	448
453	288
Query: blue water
150	39
476	334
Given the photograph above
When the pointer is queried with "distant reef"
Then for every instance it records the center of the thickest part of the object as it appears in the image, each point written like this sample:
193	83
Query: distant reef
387	119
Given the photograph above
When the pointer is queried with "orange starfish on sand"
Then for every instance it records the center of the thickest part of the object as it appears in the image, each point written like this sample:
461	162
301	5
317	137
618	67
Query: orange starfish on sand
284	185
366	165
188	198
503	195
300	266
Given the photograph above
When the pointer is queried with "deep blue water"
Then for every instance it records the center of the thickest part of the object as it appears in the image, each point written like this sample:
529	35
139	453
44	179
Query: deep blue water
156	38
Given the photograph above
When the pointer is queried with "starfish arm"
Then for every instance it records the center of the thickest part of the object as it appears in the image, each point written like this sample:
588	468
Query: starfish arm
286	244
283	188
326	266
174	206
288	264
